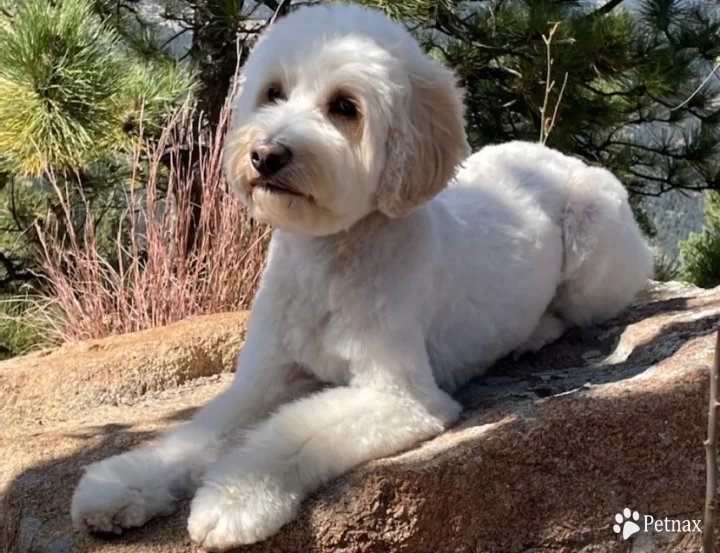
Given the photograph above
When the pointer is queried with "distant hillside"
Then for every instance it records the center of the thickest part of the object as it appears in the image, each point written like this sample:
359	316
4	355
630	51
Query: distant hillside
675	215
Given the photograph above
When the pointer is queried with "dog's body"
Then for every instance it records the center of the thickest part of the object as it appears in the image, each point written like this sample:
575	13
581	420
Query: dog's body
382	294
476	269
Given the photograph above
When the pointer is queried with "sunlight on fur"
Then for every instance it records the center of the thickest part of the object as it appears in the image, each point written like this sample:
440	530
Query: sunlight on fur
398	270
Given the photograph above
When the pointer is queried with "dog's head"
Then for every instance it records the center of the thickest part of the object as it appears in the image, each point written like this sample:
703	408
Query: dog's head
341	114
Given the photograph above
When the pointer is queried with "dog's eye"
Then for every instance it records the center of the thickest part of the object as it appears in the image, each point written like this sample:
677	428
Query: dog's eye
275	94
344	107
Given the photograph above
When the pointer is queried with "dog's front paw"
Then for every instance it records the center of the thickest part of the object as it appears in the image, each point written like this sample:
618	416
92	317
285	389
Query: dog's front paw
108	508
227	514
113	495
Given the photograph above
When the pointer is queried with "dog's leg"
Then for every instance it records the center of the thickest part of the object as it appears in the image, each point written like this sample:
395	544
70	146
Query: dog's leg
549	329
254	490
129	489
606	259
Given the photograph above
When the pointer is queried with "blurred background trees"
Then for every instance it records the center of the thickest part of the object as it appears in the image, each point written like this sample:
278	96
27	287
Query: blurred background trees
700	253
82	80
73	97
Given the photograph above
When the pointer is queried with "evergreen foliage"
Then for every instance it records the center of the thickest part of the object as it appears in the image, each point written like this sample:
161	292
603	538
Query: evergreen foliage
74	98
80	80
626	72
674	215
68	93
700	253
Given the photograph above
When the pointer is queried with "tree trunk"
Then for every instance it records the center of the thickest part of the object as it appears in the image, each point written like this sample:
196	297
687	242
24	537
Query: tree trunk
214	52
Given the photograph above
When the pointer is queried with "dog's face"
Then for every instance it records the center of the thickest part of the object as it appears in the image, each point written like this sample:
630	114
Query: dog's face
341	114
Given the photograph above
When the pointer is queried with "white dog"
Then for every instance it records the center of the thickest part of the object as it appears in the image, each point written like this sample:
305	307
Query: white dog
380	286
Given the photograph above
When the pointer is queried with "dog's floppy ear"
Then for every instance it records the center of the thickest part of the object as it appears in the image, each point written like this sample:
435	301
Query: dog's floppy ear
426	141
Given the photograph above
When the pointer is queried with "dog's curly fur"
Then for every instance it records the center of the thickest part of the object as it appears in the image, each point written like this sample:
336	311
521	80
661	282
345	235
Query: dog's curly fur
383	292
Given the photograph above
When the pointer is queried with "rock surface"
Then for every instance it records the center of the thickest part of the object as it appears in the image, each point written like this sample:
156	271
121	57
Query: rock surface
121	369
549	449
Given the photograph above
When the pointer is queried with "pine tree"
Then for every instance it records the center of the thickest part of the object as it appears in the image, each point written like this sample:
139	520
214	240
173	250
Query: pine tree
626	72
700	253
629	72
73	98
69	94
75	75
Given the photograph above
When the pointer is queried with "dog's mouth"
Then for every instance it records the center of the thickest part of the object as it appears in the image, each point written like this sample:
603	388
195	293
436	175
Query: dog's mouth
275	187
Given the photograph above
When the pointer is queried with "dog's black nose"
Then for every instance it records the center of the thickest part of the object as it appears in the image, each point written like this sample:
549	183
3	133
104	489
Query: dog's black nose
268	157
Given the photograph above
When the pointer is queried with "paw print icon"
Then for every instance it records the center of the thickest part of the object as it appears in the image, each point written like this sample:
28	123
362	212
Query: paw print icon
627	523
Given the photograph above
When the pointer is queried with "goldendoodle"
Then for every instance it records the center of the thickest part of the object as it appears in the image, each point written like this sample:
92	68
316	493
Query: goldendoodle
398	269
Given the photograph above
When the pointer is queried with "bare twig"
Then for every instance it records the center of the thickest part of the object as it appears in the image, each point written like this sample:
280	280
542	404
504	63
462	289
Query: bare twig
279	10
699	88
711	454
551	123
548	123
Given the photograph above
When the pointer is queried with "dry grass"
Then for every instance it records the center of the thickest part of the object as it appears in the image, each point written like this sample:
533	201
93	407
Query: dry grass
181	250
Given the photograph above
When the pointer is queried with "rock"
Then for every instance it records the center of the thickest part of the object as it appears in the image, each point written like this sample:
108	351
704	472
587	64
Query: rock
549	450
120	369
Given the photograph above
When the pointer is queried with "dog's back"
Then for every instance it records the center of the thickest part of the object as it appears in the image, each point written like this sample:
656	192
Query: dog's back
605	259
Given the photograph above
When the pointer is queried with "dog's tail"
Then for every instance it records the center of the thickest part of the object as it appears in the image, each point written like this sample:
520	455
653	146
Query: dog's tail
606	261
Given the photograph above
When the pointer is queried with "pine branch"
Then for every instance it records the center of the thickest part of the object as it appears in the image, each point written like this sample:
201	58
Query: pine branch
651	178
280	11
450	24
272	4
699	88
177	18
279	8
694	113
13	207
640	89
13	272
659	151
175	36
606	8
